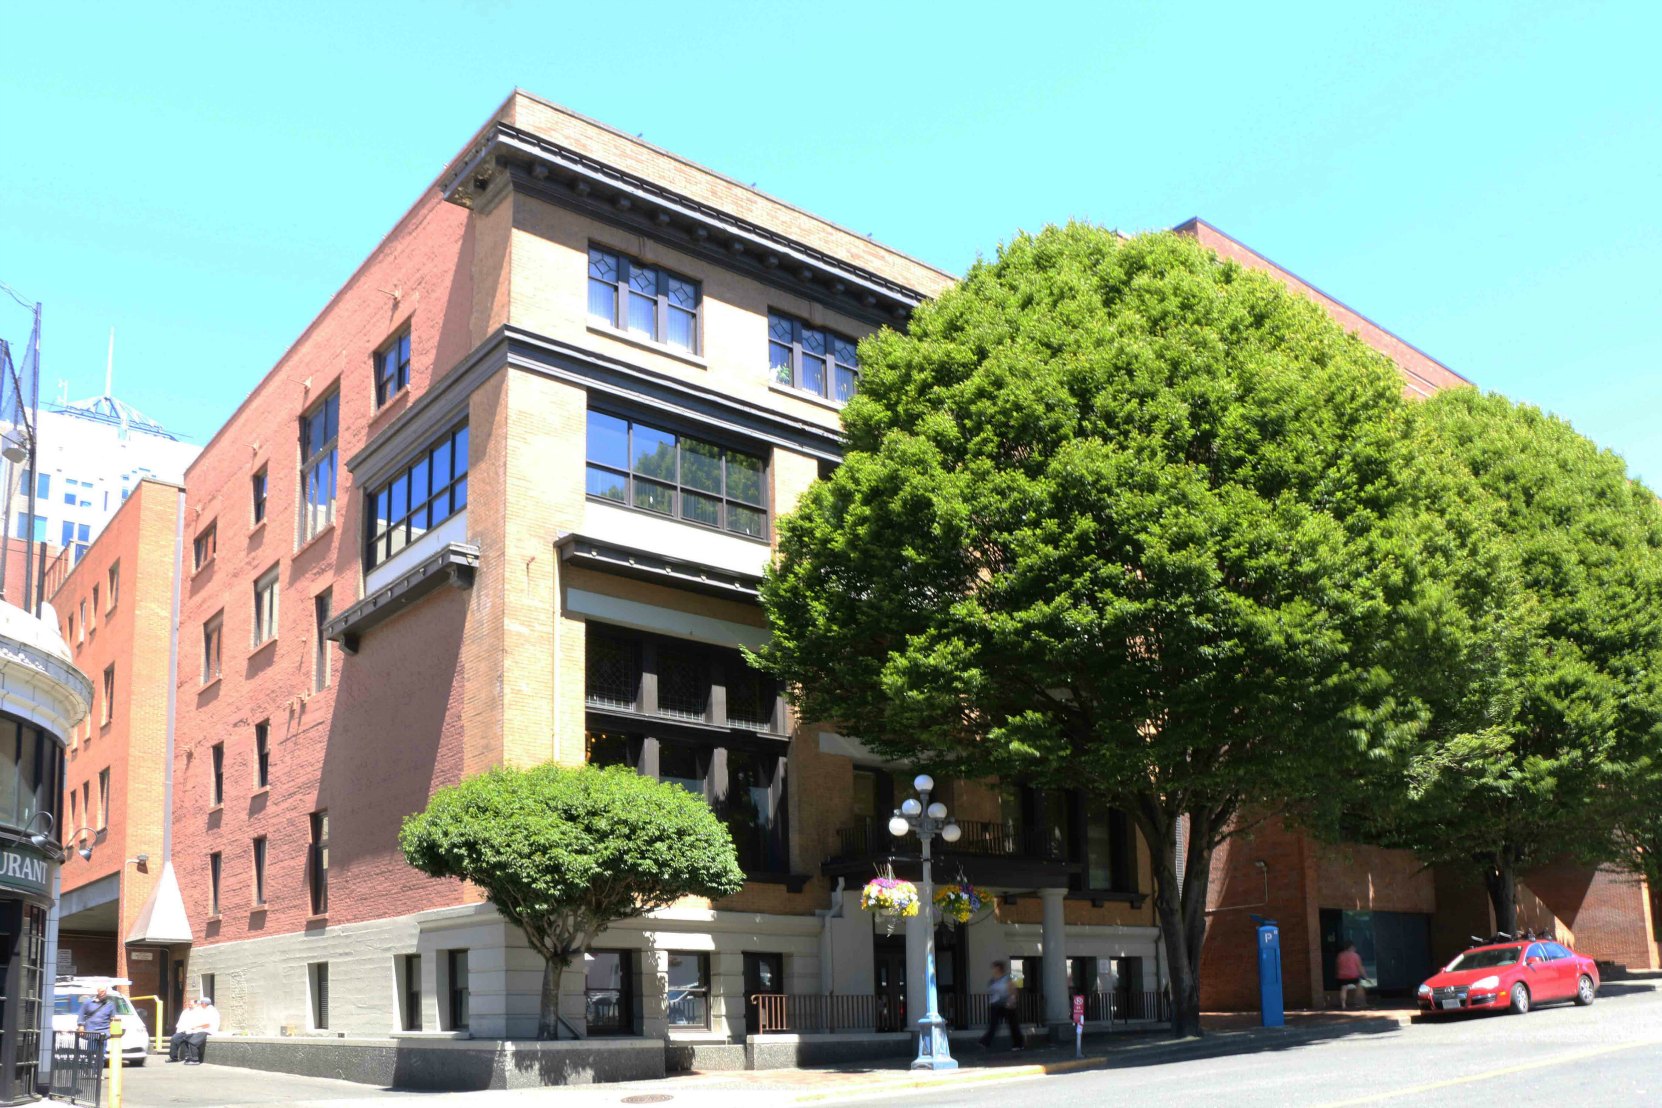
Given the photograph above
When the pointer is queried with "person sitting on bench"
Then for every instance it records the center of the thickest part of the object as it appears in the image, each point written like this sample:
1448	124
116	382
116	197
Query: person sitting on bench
190	1038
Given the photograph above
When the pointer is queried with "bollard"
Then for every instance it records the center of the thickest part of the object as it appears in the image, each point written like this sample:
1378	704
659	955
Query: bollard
161	1017
112	1055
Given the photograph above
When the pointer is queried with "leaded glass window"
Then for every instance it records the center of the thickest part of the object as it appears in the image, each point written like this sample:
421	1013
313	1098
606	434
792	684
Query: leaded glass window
644	300
812	359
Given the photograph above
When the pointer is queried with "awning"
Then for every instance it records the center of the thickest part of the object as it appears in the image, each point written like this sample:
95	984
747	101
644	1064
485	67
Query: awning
163	918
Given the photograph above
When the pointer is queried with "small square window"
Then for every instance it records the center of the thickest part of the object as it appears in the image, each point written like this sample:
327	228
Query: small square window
206	545
212	647
259	872
257	491
392	368
265	607
216	789
262	754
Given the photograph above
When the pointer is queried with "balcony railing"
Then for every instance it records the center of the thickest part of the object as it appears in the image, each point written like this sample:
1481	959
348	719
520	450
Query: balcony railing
986	838
781	1013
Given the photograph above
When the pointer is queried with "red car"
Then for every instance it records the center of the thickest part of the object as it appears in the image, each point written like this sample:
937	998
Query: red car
1514	976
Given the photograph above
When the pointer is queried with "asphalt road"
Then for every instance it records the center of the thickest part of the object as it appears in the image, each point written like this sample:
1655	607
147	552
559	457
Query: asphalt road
1609	1054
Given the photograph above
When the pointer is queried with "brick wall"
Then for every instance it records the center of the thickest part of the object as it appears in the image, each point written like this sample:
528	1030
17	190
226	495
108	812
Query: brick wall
1422	374
1609	911
133	636
388	729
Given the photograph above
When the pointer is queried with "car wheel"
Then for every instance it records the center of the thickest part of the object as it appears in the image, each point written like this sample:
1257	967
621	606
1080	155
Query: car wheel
1520	998
1585	991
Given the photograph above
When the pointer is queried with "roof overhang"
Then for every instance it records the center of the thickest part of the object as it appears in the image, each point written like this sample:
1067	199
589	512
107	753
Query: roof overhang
505	156
162	920
454	564
644	565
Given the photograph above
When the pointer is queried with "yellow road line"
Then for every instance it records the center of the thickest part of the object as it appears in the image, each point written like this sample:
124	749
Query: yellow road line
1524	1067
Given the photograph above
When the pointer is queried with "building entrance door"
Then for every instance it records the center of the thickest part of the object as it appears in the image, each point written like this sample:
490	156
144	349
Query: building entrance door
889	958
763	973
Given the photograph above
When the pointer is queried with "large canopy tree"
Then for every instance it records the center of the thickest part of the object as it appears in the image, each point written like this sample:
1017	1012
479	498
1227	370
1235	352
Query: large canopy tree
565	852
1546	750
1114	515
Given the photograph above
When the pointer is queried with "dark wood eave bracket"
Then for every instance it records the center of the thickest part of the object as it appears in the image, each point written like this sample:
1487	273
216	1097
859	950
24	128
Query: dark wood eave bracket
644	565
454	564
506	156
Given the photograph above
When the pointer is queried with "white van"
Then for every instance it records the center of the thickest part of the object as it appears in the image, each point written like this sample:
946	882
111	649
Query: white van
71	991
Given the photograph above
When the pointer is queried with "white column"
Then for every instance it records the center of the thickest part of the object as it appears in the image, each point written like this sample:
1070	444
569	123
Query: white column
917	971
1054	948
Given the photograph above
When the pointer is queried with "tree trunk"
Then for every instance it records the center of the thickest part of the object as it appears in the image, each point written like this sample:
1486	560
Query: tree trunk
1501	881
548	1019
1181	915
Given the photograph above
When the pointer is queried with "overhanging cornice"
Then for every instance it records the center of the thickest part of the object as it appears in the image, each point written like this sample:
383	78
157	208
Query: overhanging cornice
454	564
646	566
506	155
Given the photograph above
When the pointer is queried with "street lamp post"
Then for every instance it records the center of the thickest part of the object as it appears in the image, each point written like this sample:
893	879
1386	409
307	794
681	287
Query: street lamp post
927	820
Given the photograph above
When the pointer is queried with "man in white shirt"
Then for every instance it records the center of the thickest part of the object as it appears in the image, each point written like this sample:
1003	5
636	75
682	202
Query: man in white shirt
196	1024
190	1022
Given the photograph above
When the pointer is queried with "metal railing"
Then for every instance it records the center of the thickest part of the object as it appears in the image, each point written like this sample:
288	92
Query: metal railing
987	838
777	1012
813	1014
78	1066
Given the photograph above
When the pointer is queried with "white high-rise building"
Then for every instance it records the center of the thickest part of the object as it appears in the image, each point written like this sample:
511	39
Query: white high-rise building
90	456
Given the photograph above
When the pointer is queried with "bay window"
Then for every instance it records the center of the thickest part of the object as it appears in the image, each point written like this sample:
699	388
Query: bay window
676	475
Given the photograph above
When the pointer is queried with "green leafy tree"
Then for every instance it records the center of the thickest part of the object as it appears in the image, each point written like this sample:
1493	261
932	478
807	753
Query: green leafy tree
1544	748
1114	515
565	852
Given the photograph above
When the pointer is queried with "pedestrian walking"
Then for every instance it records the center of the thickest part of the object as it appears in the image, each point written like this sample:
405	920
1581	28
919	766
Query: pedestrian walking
1348	969
93	1019
1001	1006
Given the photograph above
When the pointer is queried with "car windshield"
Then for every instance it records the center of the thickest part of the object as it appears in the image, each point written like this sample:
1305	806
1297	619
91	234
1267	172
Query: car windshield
1485	959
66	1004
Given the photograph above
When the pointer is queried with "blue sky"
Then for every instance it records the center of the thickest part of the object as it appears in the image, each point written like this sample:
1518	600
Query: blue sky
1480	178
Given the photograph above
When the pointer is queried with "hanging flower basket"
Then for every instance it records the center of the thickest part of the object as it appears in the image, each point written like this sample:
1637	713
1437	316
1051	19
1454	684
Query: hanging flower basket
958	903
891	899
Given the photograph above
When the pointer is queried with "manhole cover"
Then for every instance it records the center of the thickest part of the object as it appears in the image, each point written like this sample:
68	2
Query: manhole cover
648	1098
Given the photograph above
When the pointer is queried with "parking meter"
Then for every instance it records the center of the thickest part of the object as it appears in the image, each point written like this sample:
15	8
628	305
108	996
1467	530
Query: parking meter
1270	1007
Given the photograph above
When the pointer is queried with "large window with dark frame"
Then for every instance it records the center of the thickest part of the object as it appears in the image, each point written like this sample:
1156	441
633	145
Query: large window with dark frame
812	359
644	300
422	495
676	475
634	679
392	368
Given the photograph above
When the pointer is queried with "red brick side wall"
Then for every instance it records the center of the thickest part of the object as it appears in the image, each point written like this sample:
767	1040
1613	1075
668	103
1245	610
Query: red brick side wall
1237	892
133	636
372	746
1422	374
1609	911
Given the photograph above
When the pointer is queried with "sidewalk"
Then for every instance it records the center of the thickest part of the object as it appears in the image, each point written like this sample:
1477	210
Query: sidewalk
1226	1033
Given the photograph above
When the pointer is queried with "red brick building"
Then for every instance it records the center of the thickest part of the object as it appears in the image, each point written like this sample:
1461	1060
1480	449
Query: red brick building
1404	918
120	911
431	541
